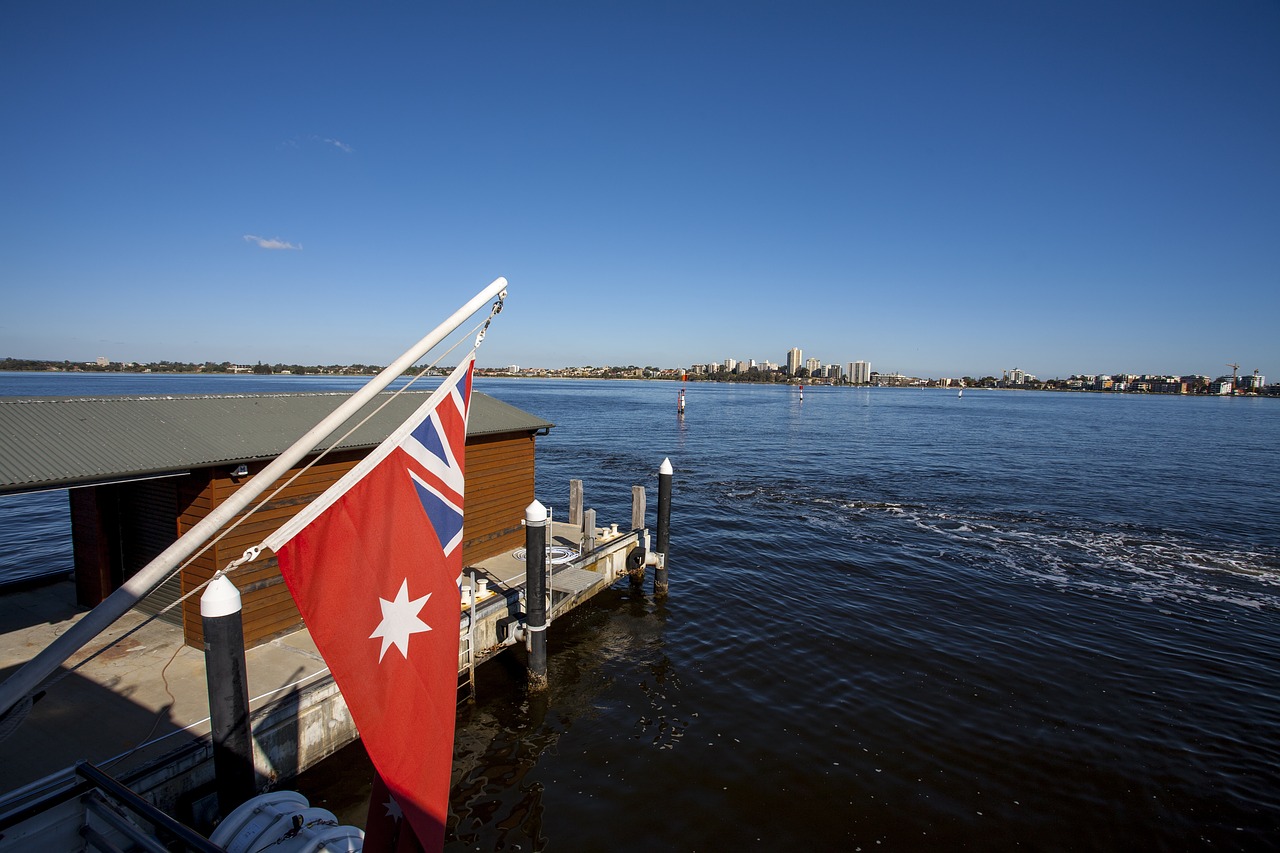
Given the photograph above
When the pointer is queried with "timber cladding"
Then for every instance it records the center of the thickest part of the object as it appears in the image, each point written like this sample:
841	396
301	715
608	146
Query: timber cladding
499	485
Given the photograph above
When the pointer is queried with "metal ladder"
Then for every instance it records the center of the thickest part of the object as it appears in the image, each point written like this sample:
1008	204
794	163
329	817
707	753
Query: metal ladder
467	649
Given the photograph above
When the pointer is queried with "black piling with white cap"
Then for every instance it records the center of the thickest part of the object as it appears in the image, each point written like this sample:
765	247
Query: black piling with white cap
228	682
664	527
535	572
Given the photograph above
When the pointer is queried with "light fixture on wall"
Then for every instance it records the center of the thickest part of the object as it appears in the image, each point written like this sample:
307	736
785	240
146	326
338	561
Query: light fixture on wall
241	470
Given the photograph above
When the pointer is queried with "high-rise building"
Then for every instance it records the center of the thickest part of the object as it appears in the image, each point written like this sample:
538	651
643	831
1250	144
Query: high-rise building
860	372
814	365
793	361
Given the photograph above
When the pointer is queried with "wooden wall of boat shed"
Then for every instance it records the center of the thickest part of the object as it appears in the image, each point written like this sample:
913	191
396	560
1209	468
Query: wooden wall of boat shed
499	485
118	528
269	610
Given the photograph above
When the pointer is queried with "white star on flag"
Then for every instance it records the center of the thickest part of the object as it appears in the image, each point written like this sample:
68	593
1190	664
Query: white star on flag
399	621
393	809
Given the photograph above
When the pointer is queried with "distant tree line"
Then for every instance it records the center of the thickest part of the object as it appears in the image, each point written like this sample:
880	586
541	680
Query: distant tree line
184	367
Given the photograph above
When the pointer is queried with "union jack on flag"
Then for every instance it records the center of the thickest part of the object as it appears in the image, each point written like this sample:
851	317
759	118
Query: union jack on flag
437	445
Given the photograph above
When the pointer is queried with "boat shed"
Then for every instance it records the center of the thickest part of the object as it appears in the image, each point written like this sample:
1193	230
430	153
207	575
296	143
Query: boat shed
141	471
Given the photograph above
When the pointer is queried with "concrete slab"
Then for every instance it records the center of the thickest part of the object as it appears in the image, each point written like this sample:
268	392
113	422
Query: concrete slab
148	688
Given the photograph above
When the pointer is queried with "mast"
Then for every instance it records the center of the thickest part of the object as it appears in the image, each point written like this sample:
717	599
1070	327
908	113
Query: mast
40	667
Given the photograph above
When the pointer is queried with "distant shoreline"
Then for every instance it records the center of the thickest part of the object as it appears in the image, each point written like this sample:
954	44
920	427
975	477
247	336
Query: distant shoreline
495	374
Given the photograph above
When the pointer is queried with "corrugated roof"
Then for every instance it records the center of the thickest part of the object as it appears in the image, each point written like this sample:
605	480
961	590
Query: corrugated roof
51	442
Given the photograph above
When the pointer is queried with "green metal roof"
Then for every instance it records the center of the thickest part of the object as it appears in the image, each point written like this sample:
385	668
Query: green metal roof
55	442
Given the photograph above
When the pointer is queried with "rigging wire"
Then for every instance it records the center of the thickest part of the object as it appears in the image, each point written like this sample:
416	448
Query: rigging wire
11	719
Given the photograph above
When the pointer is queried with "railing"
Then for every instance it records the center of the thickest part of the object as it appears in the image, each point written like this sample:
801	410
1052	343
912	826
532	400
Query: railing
85	804
114	813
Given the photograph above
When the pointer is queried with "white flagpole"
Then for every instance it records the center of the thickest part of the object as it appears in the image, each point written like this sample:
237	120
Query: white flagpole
40	667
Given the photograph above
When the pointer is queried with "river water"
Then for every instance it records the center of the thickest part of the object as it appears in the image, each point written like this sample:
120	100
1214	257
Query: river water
898	619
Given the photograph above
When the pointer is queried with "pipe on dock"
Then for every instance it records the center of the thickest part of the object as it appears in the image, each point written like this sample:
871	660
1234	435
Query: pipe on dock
535	573
228	680
664	527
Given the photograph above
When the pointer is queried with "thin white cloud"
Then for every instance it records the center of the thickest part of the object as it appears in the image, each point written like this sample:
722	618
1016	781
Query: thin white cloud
297	142
271	243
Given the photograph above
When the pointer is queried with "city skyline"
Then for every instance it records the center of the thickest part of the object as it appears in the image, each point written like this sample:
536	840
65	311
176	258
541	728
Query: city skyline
942	187
795	357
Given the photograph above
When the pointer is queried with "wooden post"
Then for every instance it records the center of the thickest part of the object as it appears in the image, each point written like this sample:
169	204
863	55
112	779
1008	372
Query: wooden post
637	507
535	573
664	527
575	502
228	693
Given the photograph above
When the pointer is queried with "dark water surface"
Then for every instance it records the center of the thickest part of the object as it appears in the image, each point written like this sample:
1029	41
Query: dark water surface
898	620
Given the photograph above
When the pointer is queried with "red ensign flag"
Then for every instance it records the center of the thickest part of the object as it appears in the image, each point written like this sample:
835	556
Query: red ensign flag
372	564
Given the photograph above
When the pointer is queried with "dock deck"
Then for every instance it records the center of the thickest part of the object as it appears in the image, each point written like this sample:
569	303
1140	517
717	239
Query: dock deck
138	705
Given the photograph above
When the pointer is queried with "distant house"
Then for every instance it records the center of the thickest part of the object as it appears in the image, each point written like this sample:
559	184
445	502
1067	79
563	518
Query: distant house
143	471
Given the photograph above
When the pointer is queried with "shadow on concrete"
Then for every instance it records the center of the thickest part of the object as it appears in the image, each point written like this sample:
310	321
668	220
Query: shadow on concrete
46	601
80	719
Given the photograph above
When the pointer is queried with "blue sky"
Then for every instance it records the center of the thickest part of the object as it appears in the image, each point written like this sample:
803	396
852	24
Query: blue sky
939	188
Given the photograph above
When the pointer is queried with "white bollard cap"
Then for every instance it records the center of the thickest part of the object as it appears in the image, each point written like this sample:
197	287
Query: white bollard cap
220	598
665	467
535	514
